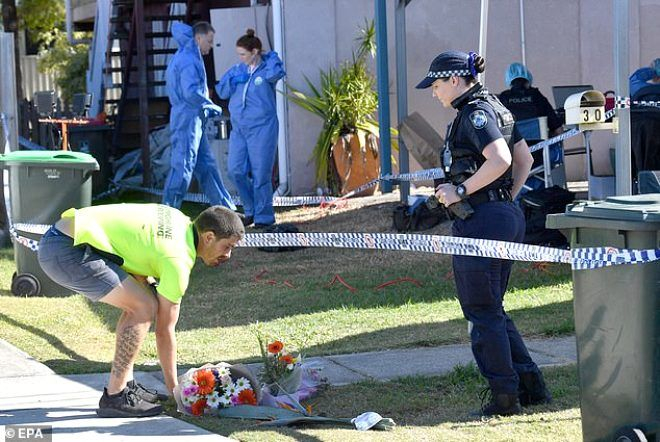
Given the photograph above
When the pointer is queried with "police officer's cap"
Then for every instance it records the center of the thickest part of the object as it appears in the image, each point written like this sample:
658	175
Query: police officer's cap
450	64
517	70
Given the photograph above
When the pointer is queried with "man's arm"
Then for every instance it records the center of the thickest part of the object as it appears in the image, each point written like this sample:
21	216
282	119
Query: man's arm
193	87
166	319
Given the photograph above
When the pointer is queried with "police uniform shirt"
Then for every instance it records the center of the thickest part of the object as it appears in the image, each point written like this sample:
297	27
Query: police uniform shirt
525	103
477	126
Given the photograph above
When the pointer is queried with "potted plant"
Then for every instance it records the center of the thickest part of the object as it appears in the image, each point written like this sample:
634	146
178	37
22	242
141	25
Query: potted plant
346	153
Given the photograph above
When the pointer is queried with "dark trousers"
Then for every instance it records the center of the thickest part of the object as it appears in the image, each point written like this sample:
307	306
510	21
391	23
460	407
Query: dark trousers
481	283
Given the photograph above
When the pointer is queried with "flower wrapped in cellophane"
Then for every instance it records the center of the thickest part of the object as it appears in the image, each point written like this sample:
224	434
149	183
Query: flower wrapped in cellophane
211	387
287	379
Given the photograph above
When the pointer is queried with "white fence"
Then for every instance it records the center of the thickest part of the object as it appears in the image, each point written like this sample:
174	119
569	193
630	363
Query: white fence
33	80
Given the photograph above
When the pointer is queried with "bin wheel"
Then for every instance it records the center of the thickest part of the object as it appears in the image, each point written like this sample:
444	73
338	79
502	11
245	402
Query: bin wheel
629	434
25	284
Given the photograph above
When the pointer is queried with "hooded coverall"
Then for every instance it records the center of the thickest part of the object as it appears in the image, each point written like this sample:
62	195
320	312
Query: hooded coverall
253	138
191	106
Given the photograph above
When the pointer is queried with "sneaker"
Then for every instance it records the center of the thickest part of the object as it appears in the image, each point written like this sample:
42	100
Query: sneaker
126	404
146	394
499	404
532	389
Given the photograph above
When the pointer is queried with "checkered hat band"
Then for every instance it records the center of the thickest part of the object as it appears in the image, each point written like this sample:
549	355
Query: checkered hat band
446	74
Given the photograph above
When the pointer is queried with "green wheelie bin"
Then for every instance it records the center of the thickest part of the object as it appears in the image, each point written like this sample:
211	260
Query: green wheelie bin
42	185
617	318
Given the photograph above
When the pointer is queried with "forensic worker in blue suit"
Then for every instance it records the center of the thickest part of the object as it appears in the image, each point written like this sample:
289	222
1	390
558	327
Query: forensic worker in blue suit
642	77
191	106
250	88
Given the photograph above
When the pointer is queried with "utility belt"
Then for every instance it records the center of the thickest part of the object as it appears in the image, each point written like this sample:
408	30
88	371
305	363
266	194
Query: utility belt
484	196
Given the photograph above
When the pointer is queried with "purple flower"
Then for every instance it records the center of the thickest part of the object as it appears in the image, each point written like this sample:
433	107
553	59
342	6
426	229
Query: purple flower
235	400
190	390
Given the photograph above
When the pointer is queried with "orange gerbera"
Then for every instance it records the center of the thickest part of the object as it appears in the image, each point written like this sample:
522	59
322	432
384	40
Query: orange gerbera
247	397
205	381
287	359
198	407
275	347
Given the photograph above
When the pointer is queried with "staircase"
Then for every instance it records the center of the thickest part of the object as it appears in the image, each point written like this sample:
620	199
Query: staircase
139	47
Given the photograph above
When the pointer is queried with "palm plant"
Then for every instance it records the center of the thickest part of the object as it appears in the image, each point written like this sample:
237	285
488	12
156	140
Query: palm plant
345	100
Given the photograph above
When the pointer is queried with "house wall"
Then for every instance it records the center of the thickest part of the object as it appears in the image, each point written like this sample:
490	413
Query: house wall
567	42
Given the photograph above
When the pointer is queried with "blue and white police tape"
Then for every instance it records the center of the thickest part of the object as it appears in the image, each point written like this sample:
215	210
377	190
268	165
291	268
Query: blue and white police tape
584	258
292	201
626	102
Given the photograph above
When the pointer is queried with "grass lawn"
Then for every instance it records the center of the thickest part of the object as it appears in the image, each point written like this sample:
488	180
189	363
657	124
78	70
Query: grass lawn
289	296
425	409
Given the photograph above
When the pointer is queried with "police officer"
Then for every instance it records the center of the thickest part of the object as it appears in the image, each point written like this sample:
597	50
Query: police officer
525	102
487	163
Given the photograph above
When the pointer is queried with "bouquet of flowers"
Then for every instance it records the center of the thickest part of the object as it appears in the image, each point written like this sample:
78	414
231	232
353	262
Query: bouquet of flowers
282	372
286	378
213	387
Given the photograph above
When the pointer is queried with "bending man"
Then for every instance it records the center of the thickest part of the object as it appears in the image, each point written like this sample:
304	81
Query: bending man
108	252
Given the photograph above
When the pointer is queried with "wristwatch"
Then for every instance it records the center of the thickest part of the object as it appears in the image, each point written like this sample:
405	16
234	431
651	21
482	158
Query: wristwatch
461	191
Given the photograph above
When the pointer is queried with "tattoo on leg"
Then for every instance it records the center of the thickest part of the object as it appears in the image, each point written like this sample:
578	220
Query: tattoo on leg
128	344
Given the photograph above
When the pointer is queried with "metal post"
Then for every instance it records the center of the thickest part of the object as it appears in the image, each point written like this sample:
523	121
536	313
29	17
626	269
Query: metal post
401	91
383	93
522	33
8	103
587	145
623	157
69	21
483	35
281	102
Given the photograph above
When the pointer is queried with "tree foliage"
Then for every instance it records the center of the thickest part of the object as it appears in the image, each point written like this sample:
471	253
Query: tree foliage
45	20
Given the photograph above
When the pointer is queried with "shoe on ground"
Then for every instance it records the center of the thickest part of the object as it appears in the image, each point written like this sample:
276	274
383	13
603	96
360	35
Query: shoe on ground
499	404
532	389
126	404
261	226
146	394
246	220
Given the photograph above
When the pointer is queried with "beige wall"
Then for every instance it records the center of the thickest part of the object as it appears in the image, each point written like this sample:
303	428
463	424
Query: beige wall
567	42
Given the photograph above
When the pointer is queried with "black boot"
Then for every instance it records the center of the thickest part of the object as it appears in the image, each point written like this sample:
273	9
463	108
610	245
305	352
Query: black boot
500	404
532	389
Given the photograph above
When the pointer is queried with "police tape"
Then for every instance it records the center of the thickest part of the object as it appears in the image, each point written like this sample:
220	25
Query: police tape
293	201
580	259
627	102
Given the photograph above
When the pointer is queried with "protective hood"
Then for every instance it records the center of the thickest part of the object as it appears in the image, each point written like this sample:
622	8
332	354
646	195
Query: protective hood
182	33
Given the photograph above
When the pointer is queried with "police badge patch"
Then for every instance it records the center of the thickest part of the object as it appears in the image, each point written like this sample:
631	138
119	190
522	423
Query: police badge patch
478	119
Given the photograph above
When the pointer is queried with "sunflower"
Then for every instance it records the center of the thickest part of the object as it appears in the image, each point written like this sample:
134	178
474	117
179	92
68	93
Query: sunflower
247	397
275	347
205	381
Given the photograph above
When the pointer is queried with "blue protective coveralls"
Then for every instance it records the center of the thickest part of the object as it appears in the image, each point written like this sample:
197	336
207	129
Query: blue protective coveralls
498	348
191	106
253	138
640	78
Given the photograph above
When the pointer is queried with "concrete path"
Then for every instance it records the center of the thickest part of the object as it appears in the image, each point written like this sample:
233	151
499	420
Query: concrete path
32	394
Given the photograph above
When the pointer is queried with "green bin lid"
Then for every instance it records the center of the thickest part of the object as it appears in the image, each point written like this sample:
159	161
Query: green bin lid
640	208
49	156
